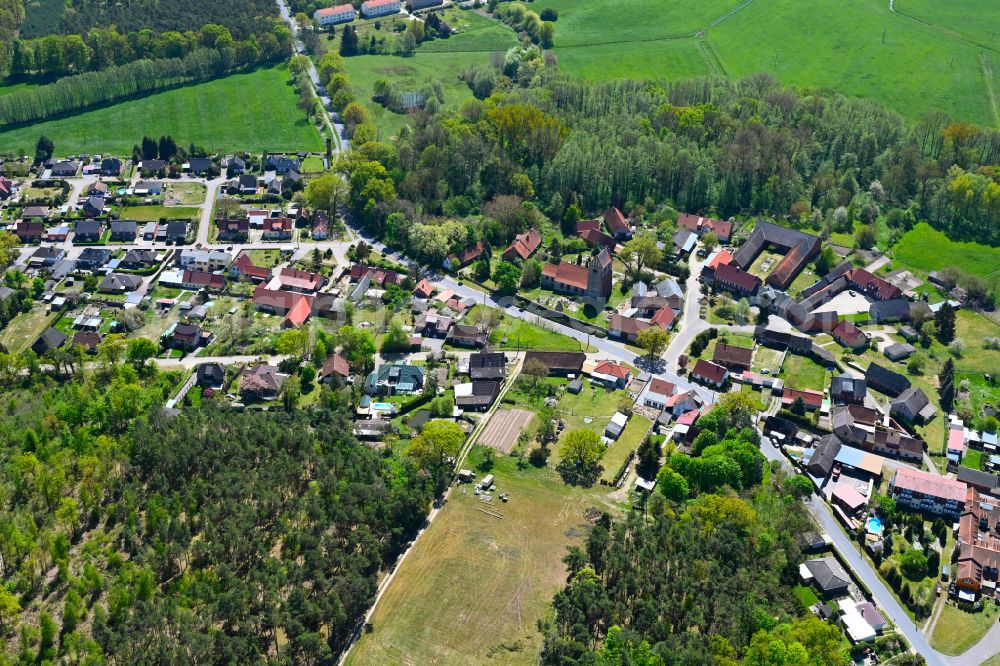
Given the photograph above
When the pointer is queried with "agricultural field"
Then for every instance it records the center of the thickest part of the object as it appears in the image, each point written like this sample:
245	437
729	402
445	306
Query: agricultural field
219	115
913	68
474	586
923	249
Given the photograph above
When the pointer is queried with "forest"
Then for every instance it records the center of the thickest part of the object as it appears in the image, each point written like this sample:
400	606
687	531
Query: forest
131	535
242	18
816	159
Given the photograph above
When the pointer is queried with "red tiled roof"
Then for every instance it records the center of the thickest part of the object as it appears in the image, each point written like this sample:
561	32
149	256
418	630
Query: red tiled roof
930	484
813	399
661	387
278	224
203	279
615	220
695	223
734	276
339	9
663	318
424	289
379	3
689	418
567	274
300	311
245	265
613	369
721	257
732	355
597	238
297	279
336	364
525	244
626	325
709	371
847	331
583	225
873	284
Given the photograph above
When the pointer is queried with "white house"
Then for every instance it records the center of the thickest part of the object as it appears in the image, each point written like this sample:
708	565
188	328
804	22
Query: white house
371	8
204	260
331	15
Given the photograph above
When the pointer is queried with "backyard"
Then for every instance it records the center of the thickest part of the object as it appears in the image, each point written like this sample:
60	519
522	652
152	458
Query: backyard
803	373
627	442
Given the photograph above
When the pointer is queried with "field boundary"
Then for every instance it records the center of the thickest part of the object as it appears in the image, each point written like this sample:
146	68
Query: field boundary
987	63
712	58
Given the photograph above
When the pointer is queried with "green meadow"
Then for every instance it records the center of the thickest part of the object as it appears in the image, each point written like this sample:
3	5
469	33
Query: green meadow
254	111
925	249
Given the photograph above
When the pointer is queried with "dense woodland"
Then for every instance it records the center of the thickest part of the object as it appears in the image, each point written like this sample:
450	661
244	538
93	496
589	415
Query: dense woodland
241	17
131	536
709	145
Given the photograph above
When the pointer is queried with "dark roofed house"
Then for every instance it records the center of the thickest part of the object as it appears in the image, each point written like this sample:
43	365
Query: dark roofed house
799	248
199	165
478	394
88	340
111	166
152	167
260	382
984	482
829	576
941	279
138	259
335	367
463	335
709	373
29	232
50	340
899	351
893	309
124	230
93	258
119	283
177	231
885	380
913	405
597	238
823	456
65	169
211	375
487	365
281	164
846	388
731	356
558	363
393	379
87	231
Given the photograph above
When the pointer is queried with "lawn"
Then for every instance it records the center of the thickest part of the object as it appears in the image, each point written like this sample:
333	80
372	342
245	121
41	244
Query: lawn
266	258
190	194
801	372
22	331
923	249
517	334
628	441
312	164
956	631
254	111
474	586
915	69
155	213
806	596
972	458
766	358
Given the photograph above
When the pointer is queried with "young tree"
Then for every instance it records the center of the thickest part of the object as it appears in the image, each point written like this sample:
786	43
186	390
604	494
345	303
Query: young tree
654	340
672	485
396	339
438	440
140	350
710	240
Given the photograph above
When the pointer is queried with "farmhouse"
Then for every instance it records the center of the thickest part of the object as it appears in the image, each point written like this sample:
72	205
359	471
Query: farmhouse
290	279
617	224
848	389
885	380
912	405
610	375
799	248
558	363
332	15
523	246
657	393
477	395
871	284
700	225
732	279
709	373
626	328
850	336
734	358
297	308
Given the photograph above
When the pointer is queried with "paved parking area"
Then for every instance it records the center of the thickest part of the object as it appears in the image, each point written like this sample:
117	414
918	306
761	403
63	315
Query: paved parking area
843	303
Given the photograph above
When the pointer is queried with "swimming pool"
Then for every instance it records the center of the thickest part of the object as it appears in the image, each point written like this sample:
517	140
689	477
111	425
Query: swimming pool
384	407
874	525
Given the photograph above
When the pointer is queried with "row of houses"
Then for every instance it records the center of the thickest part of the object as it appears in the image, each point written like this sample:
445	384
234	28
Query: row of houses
369	9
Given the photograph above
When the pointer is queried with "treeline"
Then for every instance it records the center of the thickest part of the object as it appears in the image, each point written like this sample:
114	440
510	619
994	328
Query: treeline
242	17
11	16
75	93
100	48
212	536
816	159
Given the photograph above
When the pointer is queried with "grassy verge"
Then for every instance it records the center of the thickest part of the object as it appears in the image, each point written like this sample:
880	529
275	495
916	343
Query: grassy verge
956	630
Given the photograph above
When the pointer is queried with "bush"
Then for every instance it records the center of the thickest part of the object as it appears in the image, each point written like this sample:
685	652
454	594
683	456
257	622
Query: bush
539	456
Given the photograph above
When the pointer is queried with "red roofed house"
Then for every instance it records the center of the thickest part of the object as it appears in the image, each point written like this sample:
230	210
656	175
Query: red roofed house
332	15
682	403
424	289
739	282
592	280
733	357
244	268
611	375
29	232
380	277
524	245
463	258
871	284
626	328
812	399
721	257
278	228
296	307
584	225
617	224
371	8
700	225
956	444
657	393
597	238
203	280
850	336
709	373
304	282
334	367
664	318
236	231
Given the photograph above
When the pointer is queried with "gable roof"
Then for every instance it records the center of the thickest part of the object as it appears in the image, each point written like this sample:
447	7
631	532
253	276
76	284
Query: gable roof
846	331
525	244
736	276
597	238
336	364
885	380
567	274
872	284
930	484
726	354
799	246
709	371
558	361
828	573
613	369
663	318
660	386
615	220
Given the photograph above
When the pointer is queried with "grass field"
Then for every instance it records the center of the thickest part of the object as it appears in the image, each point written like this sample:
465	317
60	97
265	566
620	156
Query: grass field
925	249
520	334
803	373
629	441
806	596
189	194
154	213
474	586
22	331
254	112
916	69
956	631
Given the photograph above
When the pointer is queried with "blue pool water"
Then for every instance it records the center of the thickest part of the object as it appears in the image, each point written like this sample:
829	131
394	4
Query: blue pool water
383	406
874	525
